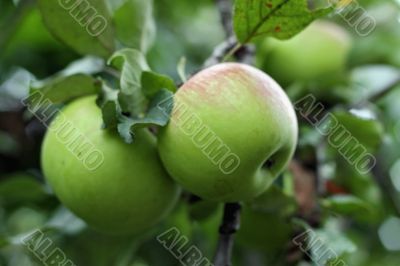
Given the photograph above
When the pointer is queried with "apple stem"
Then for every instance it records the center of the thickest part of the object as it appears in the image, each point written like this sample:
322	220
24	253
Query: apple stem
230	225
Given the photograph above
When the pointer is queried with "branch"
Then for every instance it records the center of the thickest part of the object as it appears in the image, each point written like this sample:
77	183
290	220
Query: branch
385	91
375	97
230	225
230	47
225	11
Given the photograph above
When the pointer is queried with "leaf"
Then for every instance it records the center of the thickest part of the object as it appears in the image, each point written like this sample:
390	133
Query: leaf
108	102
87	65
85	26
333	238
345	204
21	188
367	81
8	145
131	63
134	24
324	243
281	19
62	89
152	83
363	126
159	113
274	200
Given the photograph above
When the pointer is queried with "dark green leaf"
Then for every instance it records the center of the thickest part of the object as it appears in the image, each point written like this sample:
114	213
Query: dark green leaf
281	19
8	145
62	89
134	24
21	188
85	26
158	114
152	83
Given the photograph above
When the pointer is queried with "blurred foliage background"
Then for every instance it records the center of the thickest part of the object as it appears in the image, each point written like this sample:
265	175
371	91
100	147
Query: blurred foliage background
357	215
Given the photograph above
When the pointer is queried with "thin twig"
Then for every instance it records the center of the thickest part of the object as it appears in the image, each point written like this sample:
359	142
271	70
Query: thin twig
229	226
225	10
384	91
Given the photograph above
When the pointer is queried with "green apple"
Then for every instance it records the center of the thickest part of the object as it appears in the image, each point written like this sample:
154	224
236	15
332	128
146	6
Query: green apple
319	52
265	223
227	122
117	188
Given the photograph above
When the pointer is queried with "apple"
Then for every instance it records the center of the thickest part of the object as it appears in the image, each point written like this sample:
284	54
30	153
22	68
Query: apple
115	187
265	222
319	52
227	122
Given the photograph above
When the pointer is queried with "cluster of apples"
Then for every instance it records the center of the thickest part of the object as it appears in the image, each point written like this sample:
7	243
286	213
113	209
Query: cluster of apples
237	108
130	191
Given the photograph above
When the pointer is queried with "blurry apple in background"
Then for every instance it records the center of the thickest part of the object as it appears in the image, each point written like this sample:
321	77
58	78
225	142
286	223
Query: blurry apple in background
126	193
228	121
319	52
265	222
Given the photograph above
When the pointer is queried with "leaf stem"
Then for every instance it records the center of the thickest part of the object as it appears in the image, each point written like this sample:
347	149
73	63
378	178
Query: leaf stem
232	52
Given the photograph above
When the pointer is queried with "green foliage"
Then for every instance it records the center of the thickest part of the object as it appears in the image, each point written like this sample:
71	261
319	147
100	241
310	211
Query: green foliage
70	23
281	19
133	66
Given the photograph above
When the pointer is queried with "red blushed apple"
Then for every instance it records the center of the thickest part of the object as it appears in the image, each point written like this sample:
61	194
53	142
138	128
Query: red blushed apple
227	122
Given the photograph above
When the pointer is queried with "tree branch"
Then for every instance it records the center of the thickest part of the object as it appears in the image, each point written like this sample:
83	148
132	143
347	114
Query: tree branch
225	10
243	54
230	225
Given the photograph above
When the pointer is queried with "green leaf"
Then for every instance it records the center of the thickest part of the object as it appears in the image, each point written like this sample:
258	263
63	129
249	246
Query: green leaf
85	26
8	145
108	102
363	126
274	200
62	89
131	63
345	204
21	188
158	114
333	238
134	24
324	242
87	65
281	19
152	83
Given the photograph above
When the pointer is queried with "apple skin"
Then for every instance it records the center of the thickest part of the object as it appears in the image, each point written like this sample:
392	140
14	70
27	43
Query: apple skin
319	52
127	194
245	110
